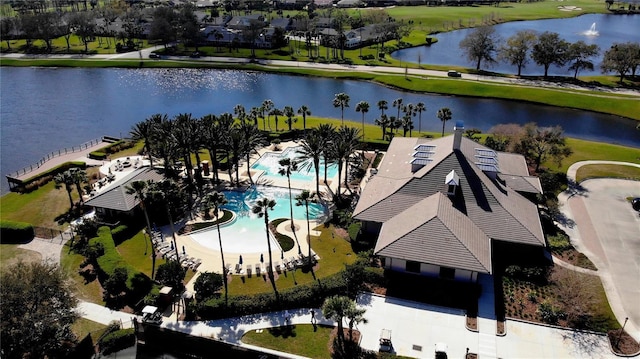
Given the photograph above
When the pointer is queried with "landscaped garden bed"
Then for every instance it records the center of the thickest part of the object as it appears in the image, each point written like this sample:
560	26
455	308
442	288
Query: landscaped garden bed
562	297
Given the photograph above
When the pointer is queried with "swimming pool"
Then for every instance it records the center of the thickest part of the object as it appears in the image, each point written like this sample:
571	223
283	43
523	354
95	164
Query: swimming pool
269	162
247	233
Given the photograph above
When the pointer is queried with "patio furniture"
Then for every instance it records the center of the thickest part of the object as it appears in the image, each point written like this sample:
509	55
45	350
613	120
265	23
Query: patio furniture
227	268
248	269
258	269
278	267
239	269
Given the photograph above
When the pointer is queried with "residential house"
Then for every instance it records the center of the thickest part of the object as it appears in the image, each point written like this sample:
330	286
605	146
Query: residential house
449	207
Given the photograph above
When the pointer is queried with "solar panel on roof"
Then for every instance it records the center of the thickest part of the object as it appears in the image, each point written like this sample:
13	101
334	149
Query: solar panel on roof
486	152
423	154
425	148
487	167
421	161
487	160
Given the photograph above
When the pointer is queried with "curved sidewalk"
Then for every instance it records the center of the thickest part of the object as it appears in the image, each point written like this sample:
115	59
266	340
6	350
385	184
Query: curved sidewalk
596	223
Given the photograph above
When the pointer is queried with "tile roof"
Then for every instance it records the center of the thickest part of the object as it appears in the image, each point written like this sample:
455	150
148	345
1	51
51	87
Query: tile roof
396	197
117	198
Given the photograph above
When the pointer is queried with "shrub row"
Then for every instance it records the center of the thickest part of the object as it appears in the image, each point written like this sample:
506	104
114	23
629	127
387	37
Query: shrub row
35	182
117	340
115	147
111	259
310	295
15	232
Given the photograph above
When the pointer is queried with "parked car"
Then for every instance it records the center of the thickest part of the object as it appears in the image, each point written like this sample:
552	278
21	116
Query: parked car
635	204
385	341
453	73
194	55
153	55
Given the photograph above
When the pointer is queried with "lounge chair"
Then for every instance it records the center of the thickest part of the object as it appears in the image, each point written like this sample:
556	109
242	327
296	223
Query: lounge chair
239	269
258	269
249	269
278	267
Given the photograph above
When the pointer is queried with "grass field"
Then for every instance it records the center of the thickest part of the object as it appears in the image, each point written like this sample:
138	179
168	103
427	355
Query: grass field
300	339
40	207
607	171
10	254
588	150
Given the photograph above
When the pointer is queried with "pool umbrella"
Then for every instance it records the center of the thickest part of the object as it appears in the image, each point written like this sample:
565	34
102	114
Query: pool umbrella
281	254
240	260
261	258
183	251
171	245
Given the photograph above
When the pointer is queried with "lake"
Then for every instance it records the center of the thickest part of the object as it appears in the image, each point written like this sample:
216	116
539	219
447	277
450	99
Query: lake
610	28
46	109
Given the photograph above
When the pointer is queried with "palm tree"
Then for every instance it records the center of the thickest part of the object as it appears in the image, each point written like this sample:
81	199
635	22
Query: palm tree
163	192
355	316
382	105
240	112
410	112
304	198
261	208
349	138
254	113
65	178
287	166
407	124
252	140
444	114
312	149
398	103
276	112
235	152
362	106
144	131
336	308
341	100
140	190
267	106
420	107
79	177
217	200
327	132
384	122
304	111
288	111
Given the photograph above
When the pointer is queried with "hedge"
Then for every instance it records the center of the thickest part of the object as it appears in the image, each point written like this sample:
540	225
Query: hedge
310	295
15	232
117	340
111	259
33	183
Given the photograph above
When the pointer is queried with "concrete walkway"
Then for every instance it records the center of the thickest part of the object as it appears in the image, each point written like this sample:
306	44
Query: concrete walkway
603	226
415	327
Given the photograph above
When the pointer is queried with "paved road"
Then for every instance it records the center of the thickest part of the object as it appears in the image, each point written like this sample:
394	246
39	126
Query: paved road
603	225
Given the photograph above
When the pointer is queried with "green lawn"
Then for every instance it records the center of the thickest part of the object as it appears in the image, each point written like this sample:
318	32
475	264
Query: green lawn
330	263
607	171
588	150
39	207
82	327
298	339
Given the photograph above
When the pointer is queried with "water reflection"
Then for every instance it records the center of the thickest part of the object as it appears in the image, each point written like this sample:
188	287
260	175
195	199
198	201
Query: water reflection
610	28
45	109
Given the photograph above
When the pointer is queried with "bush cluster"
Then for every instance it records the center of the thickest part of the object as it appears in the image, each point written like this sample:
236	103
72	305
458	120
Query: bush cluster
111	260
35	182
533	274
117	340
15	232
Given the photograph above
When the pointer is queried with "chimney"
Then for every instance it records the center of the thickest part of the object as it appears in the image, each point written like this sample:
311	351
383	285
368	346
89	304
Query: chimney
457	134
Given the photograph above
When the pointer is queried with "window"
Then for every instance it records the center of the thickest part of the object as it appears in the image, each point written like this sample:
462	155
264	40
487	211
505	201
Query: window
413	267
447	273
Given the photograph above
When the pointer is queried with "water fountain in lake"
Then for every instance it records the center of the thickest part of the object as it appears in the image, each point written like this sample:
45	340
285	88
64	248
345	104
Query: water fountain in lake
592	31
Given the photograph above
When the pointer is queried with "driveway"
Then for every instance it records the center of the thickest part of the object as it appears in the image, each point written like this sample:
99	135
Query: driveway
609	234
603	226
